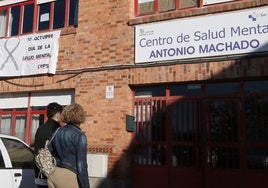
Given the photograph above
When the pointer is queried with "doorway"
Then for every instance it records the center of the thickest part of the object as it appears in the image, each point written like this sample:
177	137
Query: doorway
203	135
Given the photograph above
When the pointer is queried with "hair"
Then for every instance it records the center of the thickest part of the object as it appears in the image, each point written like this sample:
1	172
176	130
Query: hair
73	113
53	108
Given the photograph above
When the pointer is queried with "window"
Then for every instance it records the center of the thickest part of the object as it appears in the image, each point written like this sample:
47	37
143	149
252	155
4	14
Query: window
20	155
150	91
59	14
2	163
14	122
44	12
27	16
222	88
14	20
145	7
3	20
20	126
185	90
5	124
22	113
8	2
256	86
154	6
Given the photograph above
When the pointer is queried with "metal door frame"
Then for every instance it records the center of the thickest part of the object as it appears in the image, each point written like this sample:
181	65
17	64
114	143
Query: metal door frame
164	175
223	149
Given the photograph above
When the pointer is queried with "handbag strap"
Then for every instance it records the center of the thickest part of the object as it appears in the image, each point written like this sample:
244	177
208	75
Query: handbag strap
53	135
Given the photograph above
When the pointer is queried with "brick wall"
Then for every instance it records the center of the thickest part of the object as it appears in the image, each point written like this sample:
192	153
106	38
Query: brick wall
100	52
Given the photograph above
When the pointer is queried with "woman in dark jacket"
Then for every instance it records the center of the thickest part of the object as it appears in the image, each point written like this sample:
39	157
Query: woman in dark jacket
69	147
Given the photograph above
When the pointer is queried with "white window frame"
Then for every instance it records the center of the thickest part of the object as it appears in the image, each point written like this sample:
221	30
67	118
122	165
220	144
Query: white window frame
9	2
20	100
43	1
144	1
13	100
65	97
210	2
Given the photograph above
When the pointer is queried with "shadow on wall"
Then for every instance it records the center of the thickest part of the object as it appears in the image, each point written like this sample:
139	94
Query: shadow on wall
249	66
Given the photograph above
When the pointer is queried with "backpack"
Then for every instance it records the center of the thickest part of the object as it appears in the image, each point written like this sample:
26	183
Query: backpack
44	159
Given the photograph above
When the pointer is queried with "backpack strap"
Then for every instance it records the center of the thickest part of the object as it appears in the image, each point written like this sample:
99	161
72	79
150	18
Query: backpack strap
53	135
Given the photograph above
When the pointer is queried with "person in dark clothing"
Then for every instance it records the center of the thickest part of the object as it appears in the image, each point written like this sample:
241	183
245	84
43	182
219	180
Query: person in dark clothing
43	133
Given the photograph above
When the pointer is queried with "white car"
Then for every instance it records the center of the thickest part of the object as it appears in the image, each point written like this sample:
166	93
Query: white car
16	163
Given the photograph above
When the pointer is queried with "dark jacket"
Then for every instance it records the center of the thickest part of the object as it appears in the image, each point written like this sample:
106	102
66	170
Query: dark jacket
43	133
69	147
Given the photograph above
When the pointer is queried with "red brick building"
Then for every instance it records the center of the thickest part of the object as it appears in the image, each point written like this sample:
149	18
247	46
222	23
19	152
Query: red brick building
200	120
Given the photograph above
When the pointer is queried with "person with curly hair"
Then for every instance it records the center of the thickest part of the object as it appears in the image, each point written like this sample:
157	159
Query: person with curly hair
69	147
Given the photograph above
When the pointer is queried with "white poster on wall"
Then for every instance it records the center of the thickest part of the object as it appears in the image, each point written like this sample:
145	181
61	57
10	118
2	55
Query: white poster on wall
29	54
229	33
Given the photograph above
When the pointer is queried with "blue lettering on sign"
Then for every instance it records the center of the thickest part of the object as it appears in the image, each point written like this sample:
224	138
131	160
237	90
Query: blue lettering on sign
229	46
172	52
244	31
209	35
155	42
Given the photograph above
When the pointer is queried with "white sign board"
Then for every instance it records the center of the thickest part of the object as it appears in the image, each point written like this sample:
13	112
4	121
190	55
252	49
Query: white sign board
29	54
109	92
223	34
209	2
